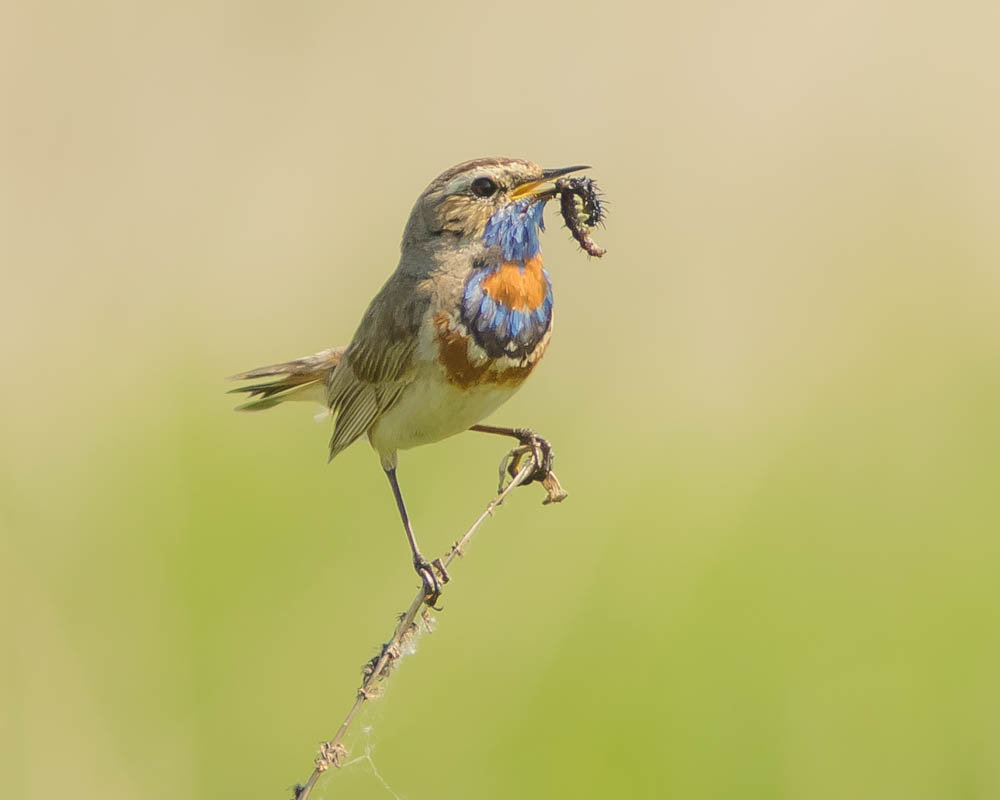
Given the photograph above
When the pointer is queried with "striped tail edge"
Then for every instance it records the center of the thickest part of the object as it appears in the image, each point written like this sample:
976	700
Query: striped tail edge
302	379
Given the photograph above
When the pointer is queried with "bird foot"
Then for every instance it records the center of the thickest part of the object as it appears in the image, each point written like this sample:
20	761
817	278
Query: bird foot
531	444
540	451
432	584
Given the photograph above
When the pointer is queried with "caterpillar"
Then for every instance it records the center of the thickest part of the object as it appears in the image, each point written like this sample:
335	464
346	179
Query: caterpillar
582	211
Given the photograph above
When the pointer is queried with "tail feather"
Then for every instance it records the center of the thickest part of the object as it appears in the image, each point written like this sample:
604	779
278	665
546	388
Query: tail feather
302	379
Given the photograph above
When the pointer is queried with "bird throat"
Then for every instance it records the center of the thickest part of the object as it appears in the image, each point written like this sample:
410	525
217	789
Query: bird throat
515	228
507	303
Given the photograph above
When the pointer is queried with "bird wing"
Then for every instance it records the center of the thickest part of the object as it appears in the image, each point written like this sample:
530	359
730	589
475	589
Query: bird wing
378	364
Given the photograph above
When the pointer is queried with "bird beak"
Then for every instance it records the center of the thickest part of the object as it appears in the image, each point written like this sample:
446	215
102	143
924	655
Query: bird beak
537	189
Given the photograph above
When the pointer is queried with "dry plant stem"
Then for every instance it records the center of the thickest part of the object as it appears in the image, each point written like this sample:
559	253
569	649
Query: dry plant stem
331	753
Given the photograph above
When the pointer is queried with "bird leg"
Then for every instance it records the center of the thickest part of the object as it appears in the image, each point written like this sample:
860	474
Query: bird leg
541	453
432	586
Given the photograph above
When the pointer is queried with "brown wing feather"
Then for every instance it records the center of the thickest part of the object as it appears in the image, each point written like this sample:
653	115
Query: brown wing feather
378	363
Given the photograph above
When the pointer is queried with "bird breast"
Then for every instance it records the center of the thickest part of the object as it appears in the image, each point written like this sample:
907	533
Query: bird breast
501	329
507	308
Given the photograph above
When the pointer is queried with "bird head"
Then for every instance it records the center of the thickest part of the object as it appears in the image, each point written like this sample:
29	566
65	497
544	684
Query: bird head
498	201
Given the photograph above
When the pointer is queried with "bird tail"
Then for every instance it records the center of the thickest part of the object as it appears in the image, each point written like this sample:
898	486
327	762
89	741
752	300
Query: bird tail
302	379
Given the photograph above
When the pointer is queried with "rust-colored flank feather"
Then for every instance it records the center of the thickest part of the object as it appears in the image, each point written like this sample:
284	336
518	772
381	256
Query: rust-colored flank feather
453	353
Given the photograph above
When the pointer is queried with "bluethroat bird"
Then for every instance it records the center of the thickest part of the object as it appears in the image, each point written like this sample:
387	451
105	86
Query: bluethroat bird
452	334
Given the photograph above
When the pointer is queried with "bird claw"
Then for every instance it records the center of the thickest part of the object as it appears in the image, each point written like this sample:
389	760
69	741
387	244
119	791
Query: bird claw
540	451
432	585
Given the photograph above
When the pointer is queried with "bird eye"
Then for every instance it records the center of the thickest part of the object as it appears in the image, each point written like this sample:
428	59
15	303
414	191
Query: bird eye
483	187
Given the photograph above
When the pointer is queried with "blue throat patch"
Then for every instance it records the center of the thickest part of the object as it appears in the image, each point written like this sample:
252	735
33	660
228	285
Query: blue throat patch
515	228
497	328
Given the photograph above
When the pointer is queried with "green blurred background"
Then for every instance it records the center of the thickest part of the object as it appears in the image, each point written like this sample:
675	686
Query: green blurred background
774	403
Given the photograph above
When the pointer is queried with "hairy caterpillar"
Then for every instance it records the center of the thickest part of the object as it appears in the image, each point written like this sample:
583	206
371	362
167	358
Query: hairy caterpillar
582	211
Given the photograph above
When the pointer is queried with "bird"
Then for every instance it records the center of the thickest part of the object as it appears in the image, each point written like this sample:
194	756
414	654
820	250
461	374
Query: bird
452	334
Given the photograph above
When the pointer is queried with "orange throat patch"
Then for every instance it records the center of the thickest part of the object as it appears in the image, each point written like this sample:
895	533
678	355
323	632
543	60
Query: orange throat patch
517	288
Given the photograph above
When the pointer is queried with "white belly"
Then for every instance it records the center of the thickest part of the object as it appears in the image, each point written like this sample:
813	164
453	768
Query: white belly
431	409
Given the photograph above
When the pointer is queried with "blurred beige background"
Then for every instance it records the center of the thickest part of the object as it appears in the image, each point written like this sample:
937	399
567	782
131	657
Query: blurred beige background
773	403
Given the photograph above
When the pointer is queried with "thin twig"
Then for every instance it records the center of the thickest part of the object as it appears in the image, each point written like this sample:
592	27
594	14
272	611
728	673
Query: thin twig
333	752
